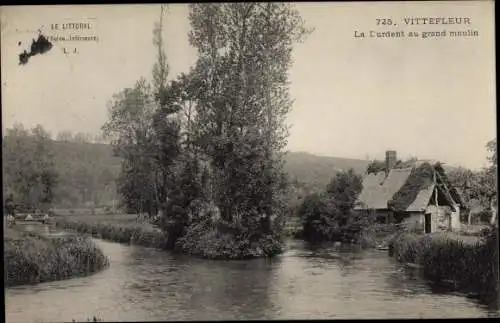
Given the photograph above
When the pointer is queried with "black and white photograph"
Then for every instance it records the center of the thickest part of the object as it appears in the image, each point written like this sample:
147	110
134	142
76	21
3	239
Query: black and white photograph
249	161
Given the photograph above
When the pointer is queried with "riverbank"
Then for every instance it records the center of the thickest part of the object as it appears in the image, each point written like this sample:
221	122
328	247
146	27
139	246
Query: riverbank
136	286
202	240
215	242
31	258
372	237
462	263
115	228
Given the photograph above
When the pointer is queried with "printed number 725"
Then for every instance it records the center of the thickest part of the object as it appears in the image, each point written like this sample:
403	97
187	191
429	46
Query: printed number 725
384	21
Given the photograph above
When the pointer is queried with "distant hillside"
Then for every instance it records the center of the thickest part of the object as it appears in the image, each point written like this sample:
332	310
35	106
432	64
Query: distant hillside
319	170
101	154
88	171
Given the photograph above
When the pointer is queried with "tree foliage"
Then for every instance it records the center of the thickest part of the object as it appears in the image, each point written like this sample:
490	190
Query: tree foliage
479	185
145	129
244	54
130	130
29	169
329	216
491	146
214	136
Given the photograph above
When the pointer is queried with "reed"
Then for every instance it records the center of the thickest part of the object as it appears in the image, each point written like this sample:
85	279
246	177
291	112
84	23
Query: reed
465	265
29	258
115	229
93	319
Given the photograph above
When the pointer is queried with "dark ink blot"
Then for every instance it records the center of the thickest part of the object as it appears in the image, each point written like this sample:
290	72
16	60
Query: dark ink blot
19	44
23	58
39	46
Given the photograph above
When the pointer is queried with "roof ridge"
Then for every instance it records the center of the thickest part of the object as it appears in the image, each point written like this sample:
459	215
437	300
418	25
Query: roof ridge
403	168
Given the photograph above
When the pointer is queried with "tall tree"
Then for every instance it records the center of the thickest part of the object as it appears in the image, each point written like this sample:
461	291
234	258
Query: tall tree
491	146
130	131
29	171
480	185
490	181
465	181
176	173
244	55
144	129
165	121
160	67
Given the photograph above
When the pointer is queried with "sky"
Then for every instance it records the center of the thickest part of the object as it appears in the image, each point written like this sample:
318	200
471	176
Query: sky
431	98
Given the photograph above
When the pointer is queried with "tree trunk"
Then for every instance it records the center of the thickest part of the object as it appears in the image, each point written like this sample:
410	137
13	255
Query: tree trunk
493	213
469	218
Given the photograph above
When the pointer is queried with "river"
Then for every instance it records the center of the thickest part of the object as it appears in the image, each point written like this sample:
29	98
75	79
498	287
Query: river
147	284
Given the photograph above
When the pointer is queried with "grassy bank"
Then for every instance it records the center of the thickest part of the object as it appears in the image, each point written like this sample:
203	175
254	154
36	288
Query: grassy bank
30	258
468	264
202	240
116	228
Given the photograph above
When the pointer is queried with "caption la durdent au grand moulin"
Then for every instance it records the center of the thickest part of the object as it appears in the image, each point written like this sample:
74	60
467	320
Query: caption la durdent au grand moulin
444	27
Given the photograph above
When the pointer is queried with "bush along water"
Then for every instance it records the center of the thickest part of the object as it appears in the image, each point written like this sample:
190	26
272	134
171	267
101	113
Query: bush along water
130	233
464	266
217	240
29	258
329	216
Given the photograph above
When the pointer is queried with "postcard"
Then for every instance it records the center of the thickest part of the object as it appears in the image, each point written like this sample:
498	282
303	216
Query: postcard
259	160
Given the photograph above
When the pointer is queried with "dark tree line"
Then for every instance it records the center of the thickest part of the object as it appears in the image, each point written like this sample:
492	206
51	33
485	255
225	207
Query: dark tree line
40	172
30	175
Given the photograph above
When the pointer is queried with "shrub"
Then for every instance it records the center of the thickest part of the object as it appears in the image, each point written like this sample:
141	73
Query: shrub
216	240
471	267
330	216
316	222
484	216
29	258
122	232
408	248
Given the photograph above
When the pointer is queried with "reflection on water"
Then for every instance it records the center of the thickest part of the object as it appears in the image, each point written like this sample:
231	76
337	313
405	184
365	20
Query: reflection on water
147	284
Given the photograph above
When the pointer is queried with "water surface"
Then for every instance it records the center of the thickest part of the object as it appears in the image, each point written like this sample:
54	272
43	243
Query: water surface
147	284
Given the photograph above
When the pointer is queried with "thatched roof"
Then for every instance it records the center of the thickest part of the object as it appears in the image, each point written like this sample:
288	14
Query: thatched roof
407	187
378	189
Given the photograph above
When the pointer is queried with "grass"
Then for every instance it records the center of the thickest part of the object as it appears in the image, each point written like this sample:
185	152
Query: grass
472	229
30	258
121	228
93	319
465	263
200	240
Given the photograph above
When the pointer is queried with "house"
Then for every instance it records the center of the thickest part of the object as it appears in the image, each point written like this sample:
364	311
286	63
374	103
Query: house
417	193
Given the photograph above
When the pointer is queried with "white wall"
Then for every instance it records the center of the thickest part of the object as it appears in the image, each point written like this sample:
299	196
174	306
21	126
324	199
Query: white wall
455	219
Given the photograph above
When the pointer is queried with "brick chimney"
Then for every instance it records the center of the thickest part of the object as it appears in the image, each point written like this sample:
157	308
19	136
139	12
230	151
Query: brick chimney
390	160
